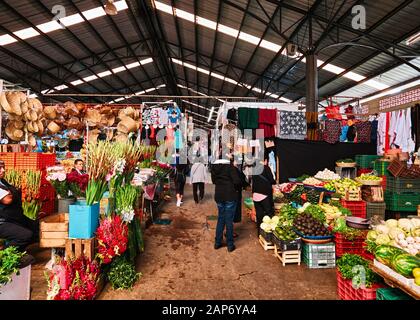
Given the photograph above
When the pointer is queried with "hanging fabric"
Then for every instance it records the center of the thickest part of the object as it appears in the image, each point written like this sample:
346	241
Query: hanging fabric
363	131
332	131
248	118
267	121
292	125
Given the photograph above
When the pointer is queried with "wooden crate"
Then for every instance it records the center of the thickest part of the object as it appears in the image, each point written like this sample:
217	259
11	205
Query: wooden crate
77	247
266	245
292	256
54	230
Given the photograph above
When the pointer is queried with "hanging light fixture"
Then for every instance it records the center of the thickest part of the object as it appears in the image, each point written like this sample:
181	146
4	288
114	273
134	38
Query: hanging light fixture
110	8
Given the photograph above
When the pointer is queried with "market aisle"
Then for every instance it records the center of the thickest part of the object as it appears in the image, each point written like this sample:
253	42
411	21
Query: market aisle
180	263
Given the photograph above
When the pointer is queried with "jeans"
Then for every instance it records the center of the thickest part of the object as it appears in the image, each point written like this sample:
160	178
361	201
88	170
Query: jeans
263	208
198	186
225	218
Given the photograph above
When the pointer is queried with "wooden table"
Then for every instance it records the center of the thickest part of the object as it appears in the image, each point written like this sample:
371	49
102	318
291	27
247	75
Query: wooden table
394	282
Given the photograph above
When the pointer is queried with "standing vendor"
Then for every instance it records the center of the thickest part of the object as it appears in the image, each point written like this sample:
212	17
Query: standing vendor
15	227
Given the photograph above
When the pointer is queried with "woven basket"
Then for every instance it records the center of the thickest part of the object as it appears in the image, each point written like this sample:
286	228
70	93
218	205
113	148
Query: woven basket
346	164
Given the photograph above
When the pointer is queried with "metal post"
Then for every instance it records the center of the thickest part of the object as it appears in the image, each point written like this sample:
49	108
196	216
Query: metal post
311	75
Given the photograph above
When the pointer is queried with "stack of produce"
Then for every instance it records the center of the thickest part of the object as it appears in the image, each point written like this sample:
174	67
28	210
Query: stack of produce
327	175
344	185
313	182
307	225
267	226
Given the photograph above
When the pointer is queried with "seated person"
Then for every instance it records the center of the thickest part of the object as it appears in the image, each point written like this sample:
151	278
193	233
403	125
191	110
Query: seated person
78	166
17	229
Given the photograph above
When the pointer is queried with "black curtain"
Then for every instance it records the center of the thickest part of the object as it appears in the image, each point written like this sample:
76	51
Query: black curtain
297	157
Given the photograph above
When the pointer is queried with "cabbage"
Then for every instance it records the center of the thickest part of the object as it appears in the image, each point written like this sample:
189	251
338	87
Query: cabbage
415	232
372	235
266	219
382	228
415	222
405	224
394	232
391	223
264	226
382	239
275	220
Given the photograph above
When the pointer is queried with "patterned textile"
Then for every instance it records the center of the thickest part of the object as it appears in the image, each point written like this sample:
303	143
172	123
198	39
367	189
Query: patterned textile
163	116
292	125
227	136
332	131
363	130
146	116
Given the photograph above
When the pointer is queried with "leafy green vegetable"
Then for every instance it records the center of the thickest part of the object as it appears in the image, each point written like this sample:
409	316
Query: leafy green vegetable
302	177
316	212
122	274
9	263
296	194
340	226
346	266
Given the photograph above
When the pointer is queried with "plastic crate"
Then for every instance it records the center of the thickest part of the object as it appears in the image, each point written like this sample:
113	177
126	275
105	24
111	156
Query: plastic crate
367	293
357	208
319	256
402	185
396	168
347	292
9	159
381	167
34	160
375	209
402	201
342	245
266	235
366	161
286	245
391	294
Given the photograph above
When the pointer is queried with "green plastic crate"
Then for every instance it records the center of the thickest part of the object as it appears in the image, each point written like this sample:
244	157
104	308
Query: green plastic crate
365	161
381	167
375	208
391	294
402	185
319	248
402	201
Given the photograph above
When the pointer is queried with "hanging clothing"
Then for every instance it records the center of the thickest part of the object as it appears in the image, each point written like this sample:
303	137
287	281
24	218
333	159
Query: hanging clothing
248	118
146	116
292	125
232	115
163	117
381	133
363	131
178	139
272	162
351	133
174	115
332	131
267	121
229	135
343	136
392	127
374	131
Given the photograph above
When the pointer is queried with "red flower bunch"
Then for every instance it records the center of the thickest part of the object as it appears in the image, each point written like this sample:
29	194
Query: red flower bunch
73	279
112	236
77	183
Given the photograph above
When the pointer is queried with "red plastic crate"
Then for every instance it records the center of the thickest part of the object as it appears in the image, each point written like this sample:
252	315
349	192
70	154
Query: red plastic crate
34	160
347	292
342	245
357	208
9	159
367	293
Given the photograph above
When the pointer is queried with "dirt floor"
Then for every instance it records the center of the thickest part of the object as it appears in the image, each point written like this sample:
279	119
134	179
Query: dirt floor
180	262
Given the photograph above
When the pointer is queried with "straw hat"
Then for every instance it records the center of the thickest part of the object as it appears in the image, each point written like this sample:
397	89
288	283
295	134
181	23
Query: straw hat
36	105
108	120
33	115
18	124
106	110
73	122
53	127
50	112
93	135
24	106
32	140
127	125
109	134
4	103
14	101
13	133
40	127
81	107
93	117
70	109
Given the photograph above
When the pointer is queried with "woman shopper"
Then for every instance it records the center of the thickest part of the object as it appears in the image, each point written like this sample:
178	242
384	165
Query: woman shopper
244	184
226	180
198	171
262	194
181	171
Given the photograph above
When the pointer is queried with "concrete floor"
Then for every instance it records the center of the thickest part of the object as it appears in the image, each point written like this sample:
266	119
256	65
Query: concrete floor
180	262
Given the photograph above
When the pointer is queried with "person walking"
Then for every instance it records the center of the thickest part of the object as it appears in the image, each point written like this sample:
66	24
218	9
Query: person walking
226	180
262	194
198	179
181	171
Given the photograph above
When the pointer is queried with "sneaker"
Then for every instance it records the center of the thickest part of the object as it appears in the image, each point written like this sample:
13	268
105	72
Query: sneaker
230	249
178	203
217	246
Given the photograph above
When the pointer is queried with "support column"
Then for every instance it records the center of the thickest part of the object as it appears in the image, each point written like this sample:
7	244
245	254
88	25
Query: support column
311	83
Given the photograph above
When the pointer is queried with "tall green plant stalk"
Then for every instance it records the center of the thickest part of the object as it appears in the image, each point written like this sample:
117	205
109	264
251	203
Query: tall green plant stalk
94	191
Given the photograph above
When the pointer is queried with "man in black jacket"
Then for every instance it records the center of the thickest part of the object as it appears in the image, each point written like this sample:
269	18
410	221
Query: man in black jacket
262	194
227	183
